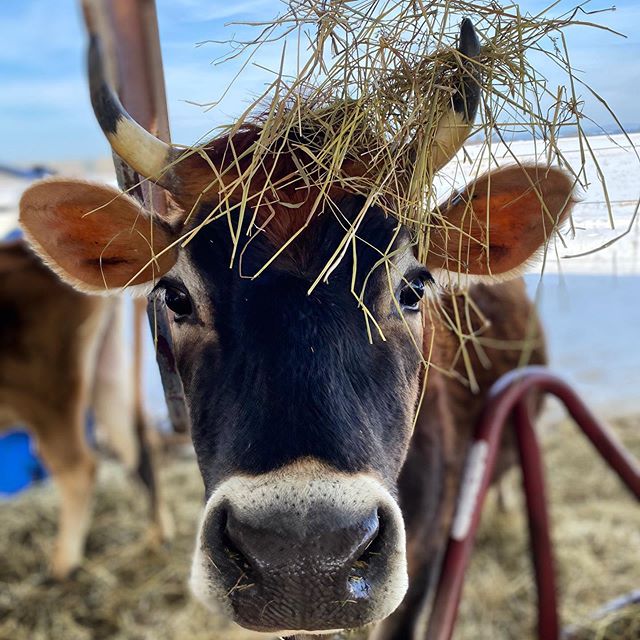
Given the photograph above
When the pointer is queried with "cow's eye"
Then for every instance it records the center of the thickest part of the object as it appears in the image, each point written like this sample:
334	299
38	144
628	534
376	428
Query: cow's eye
178	301
413	290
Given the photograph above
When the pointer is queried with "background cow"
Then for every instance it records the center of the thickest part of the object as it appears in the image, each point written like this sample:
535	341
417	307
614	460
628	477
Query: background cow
61	353
328	497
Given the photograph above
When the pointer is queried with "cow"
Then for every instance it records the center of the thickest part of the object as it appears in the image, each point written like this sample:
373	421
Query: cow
330	477
62	353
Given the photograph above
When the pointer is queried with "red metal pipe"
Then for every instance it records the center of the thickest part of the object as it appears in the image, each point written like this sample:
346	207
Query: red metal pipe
475	484
508	396
518	383
538	520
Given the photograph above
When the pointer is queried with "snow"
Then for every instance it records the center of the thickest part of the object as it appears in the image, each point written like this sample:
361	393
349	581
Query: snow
10	191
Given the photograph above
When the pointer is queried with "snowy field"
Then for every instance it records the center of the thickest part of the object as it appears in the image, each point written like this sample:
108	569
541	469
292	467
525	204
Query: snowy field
592	224
590	304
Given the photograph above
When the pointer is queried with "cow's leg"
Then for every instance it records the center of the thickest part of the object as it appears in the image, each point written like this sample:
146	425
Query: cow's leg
128	436
162	528
117	402
112	385
72	465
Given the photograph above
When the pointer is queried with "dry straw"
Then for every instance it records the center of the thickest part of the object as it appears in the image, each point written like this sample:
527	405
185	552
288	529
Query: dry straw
372	82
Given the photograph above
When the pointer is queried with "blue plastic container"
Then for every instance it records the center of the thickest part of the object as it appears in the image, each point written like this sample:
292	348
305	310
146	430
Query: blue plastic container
19	466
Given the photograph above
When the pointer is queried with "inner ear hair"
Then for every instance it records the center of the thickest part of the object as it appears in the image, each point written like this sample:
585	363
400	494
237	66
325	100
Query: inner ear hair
93	236
500	222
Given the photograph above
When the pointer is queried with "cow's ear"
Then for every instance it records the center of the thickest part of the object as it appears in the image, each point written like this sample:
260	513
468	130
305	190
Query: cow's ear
500	221
93	236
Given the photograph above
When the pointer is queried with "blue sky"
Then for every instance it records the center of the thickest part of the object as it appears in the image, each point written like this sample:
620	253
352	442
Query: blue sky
45	112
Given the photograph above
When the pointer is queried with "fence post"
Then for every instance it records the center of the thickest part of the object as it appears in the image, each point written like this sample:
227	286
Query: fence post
129	29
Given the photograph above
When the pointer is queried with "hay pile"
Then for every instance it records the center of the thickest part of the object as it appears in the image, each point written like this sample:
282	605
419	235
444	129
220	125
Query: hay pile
128	591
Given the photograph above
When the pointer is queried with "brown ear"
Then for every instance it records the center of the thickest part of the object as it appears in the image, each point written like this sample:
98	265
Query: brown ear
500	221
95	237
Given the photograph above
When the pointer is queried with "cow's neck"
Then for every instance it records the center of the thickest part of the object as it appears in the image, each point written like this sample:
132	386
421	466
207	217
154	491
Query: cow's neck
429	485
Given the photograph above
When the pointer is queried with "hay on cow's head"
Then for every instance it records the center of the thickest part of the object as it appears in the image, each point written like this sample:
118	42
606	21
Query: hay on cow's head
373	79
361	114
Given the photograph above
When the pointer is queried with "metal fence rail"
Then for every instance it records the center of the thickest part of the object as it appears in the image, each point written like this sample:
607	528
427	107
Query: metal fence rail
509	399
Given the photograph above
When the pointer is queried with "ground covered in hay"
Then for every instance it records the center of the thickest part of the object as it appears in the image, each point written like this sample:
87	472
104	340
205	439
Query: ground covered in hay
129	590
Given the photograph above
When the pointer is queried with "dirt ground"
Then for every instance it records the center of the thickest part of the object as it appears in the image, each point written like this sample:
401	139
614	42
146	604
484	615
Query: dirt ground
128	590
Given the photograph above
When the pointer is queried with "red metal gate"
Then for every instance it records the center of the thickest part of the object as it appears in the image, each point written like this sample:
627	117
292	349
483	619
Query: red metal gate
508	399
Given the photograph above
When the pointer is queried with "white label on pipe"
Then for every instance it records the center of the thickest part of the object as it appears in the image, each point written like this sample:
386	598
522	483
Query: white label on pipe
471	481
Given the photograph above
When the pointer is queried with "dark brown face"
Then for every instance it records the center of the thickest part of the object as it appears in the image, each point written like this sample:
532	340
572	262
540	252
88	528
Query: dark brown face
301	414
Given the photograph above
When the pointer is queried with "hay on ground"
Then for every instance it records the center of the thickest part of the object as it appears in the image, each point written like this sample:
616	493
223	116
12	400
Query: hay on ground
130	591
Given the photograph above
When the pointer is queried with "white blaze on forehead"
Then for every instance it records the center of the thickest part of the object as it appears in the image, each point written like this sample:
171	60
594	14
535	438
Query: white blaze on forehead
306	485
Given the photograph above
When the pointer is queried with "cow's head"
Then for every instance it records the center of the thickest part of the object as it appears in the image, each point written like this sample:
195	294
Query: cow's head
302	403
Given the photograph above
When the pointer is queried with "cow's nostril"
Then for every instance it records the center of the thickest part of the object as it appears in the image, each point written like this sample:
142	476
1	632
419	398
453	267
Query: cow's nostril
232	545
371	533
360	572
370	548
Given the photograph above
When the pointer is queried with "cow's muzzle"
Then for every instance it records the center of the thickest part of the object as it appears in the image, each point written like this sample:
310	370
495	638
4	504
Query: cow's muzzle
304	549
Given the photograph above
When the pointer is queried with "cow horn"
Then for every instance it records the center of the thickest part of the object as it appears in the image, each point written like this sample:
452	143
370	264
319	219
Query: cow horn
455	126
141	150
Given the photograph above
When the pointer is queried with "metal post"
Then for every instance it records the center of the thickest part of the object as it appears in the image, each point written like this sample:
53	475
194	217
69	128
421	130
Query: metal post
538	519
129	29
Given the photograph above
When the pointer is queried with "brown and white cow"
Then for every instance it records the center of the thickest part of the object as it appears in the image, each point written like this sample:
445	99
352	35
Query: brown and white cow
62	352
327	498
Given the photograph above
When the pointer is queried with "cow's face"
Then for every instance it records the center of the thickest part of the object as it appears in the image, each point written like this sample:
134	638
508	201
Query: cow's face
301	389
301	418
302	397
